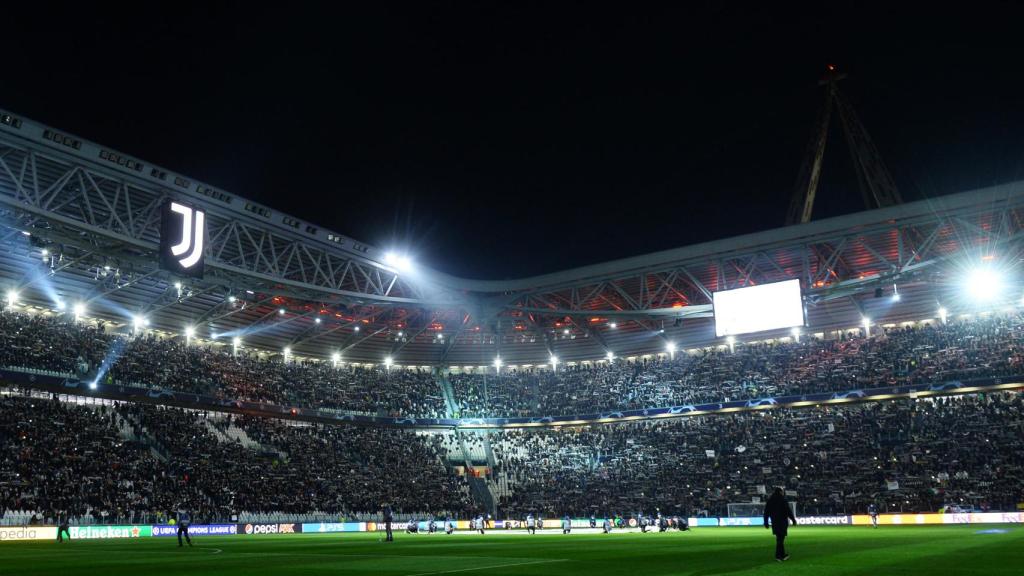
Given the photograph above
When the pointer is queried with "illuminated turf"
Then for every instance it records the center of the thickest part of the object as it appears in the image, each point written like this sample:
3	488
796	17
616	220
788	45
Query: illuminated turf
817	551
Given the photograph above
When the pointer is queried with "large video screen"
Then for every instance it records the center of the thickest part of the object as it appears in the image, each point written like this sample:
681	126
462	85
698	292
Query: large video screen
758	308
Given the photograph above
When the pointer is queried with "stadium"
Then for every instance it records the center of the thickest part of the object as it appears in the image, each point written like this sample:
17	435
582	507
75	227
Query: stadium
174	355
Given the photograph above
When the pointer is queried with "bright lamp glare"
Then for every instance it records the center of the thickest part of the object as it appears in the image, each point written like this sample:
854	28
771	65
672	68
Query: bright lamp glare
287	350
190	331
388	361
554	360
139	321
984	284
497	362
336	357
12	297
671	347
399	261
610	356
79	309
236	341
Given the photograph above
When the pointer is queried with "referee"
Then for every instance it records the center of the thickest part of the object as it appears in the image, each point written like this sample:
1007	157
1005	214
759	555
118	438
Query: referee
184	520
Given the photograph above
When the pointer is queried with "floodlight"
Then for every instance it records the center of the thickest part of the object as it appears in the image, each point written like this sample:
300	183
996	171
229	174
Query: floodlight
280	311
610	356
12	297
943	314
731	340
796	333
984	284
356	329
613	325
317	320
232	299
398	261
287	350
79	309
388	361
566	331
61	305
671	347
190	331
336	357
554	361
497	362
139	321
177	285
236	341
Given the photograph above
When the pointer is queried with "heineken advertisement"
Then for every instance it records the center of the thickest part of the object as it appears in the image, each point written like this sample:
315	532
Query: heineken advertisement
96	532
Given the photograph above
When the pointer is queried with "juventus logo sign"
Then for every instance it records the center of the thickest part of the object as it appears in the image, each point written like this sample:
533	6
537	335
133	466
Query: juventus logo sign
182	235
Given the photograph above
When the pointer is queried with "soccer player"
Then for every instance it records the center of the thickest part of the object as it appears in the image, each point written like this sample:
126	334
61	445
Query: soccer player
432	526
531	523
388	517
62	526
449	526
184	520
593	521
778	510
873	512
642	522
480	523
607	526
566	525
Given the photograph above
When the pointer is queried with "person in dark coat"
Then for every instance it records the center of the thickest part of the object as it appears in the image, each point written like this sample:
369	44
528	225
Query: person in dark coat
388	517
778	510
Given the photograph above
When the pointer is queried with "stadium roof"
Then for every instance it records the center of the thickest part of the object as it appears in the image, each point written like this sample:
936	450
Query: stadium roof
79	222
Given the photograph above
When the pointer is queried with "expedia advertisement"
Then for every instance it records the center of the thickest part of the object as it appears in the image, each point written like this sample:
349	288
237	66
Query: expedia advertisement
197	530
19	533
94	532
269	528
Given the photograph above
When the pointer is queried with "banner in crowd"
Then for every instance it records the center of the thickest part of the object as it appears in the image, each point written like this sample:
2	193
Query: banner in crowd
95	532
197	530
269	528
325	527
24	533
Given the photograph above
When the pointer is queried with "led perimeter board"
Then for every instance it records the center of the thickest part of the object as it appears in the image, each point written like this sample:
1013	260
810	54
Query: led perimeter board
758	308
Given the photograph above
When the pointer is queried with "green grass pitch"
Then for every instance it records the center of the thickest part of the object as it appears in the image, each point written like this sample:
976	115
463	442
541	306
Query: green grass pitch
817	551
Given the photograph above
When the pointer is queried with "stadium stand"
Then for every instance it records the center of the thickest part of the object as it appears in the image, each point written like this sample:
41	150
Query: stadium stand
925	353
907	455
127	462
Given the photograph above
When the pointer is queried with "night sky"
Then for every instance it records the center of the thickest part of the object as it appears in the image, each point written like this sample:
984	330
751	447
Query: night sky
506	140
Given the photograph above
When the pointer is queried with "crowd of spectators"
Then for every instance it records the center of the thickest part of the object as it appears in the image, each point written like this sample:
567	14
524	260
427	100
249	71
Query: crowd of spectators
985	347
903	455
58	457
56	344
61	457
934	352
